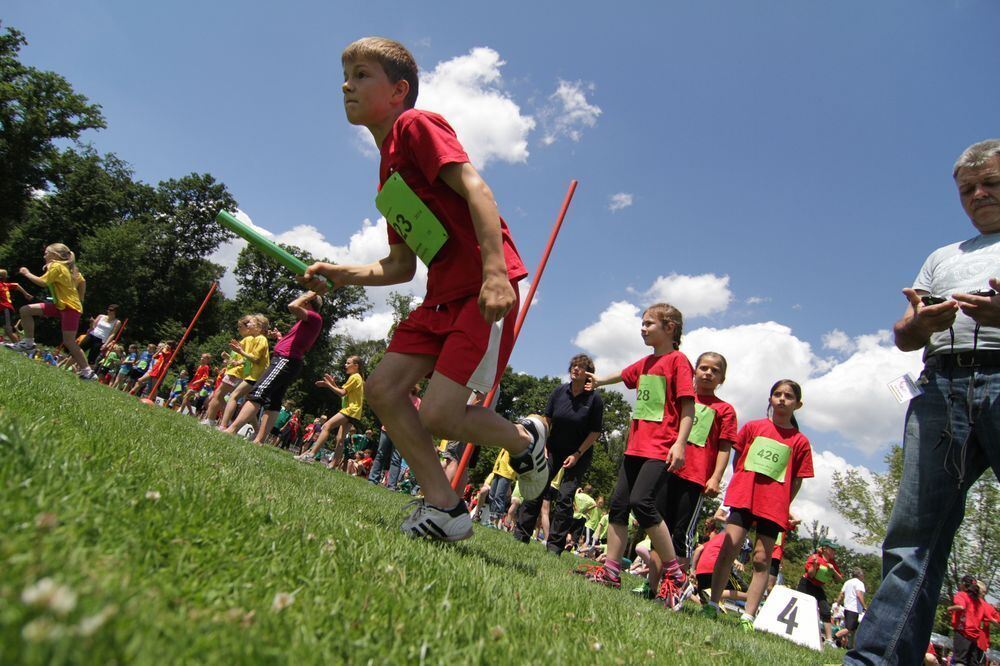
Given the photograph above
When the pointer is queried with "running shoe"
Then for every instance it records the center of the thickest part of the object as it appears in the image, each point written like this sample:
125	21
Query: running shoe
746	622
644	591
598	574
685	590
87	374
427	521
22	346
666	593
531	467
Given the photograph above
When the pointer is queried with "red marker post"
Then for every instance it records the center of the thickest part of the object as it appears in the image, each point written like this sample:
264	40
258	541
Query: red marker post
470	447
170	361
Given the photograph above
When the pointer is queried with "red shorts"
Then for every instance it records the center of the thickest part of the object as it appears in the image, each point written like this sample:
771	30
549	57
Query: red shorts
469	350
70	317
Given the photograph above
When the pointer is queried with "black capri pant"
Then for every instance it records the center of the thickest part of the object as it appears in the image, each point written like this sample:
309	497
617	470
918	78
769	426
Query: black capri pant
639	482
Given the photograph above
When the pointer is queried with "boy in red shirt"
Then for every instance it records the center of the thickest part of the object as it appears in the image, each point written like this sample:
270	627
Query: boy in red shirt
197	381
437	208
6	306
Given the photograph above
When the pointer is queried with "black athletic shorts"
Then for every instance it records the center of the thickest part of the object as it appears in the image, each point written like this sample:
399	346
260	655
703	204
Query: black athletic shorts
269	390
819	594
764	527
851	620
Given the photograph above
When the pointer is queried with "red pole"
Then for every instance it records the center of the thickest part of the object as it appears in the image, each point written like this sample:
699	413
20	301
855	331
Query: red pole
536	278
170	361
119	333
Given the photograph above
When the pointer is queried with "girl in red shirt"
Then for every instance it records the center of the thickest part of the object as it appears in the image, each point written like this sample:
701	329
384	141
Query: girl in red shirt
658	435
774	457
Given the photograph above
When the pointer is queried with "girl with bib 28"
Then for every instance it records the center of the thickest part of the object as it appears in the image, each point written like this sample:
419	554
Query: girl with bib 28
774	457
661	424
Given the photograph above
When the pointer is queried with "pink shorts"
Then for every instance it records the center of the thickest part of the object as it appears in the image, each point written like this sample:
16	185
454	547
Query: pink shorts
469	350
70	317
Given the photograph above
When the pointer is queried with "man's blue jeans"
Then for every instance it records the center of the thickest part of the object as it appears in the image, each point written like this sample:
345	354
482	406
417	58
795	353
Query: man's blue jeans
387	456
948	444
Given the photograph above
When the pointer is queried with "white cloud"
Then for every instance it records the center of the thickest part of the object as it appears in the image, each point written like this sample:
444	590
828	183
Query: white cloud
468	91
568	112
839	341
372	327
620	201
693	295
757	300
613	341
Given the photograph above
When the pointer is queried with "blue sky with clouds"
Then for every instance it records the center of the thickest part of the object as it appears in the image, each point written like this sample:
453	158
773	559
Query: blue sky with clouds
779	170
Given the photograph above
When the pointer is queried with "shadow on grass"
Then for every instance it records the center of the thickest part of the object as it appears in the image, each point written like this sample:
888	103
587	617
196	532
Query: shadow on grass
467	550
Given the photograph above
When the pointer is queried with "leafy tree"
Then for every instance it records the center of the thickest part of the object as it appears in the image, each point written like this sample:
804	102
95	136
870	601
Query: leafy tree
37	109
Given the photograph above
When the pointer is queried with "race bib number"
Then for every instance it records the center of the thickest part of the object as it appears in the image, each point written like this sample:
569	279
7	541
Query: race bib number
650	397
411	218
768	457
704	417
824	574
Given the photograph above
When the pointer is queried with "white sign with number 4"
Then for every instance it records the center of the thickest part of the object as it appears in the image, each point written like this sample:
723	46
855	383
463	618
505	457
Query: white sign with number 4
791	614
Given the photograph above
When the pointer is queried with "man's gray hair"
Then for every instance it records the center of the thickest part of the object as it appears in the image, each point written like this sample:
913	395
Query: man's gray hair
977	154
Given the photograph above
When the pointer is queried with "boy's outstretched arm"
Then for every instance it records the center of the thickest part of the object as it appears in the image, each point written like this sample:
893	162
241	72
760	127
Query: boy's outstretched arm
396	268
497	296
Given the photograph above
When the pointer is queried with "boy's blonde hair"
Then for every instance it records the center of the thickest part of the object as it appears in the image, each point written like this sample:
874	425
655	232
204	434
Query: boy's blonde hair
358	361
262	321
664	312
394	58
3	274
66	256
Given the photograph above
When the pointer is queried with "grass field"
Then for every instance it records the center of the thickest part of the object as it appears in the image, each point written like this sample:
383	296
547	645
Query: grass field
167	543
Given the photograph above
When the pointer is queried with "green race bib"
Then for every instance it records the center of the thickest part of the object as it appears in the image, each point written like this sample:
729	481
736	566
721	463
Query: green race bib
411	218
704	417
824	574
650	397
768	457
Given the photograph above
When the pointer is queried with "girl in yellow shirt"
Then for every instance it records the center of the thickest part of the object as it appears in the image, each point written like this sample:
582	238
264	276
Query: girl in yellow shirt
238	366
353	395
256	355
67	287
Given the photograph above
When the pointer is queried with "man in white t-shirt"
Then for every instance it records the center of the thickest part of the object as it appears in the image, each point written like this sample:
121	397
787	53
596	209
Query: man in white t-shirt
852	596
952	433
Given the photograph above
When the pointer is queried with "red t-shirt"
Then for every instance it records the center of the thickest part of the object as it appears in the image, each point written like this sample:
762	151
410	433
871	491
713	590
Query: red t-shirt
709	554
991	615
761	495
779	547
418	146
218	378
818	561
5	303
301	337
969	621
159	362
699	461
200	377
653	439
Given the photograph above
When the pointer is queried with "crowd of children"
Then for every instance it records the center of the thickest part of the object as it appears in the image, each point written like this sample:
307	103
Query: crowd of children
460	337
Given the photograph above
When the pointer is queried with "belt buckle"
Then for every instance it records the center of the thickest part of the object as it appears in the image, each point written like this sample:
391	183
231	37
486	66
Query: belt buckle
966	360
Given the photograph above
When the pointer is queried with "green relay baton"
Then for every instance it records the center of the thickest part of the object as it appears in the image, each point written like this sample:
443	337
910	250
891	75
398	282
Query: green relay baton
265	245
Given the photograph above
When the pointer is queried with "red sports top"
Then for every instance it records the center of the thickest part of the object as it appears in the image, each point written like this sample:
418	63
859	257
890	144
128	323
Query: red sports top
652	439
418	146
699	461
200	377
761	495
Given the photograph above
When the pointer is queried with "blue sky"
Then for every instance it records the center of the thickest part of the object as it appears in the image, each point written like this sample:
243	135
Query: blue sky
782	168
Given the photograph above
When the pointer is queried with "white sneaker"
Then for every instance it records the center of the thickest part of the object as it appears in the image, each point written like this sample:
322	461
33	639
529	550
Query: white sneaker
22	346
531	467
87	374
430	522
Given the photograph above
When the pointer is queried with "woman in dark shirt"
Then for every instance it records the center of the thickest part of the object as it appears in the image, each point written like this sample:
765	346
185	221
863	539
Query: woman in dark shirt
576	417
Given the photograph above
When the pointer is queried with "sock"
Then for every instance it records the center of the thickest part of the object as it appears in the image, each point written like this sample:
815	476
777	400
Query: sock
746	616
614	568
455	511
673	569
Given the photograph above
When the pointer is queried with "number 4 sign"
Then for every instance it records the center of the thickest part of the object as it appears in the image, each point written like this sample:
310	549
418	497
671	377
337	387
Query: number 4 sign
791	614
